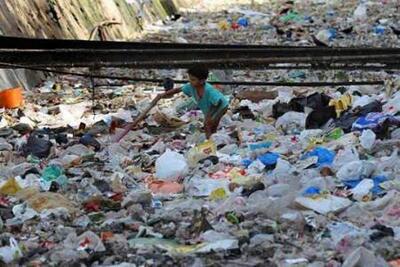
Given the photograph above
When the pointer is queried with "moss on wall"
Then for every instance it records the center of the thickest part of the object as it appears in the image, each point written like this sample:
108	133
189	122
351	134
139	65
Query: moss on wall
74	19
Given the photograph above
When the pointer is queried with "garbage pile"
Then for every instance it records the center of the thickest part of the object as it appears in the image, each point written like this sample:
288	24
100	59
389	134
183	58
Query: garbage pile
297	177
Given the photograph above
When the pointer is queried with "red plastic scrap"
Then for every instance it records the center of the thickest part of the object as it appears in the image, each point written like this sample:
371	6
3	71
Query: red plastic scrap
4	202
85	242
117	197
92	206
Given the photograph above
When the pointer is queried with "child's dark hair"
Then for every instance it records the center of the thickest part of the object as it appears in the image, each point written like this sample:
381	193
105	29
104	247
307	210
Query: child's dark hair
200	72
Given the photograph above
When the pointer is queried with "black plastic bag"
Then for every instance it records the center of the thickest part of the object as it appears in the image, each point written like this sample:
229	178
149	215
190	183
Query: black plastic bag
37	146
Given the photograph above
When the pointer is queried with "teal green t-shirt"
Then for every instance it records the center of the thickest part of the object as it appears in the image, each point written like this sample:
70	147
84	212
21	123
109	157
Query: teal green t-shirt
211	98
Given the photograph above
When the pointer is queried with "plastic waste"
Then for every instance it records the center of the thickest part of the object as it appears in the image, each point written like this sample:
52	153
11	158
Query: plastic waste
171	166
392	106
291	16
89	240
326	36
175	248
46	200
362	190
325	204
269	159
360	13
218	194
242	21
165	187
374	121
203	187
367	139
137	196
341	104
335	134
340	230
311	181
291	122
10	187
311	192
89	140
259	145
351	170
21	213
379	29
10	253
37	145
201	152
325	156
72	114
364	257
52	174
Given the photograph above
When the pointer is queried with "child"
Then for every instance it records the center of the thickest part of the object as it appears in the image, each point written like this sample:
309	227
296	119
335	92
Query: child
212	102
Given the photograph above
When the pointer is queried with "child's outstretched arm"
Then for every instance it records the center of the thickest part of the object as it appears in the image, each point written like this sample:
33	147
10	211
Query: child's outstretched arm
171	92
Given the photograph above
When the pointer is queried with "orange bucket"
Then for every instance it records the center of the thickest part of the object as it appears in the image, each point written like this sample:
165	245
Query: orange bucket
11	98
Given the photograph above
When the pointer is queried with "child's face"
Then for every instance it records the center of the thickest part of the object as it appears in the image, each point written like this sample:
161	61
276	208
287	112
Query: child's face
195	82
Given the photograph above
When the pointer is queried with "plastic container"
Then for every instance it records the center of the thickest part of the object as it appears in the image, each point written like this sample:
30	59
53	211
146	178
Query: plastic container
11	98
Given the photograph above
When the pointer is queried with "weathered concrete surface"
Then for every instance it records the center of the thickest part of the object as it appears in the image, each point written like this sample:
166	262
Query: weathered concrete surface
75	19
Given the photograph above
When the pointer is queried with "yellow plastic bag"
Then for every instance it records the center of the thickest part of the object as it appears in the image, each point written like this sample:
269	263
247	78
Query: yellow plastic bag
223	25
200	152
208	148
342	104
10	187
45	200
218	194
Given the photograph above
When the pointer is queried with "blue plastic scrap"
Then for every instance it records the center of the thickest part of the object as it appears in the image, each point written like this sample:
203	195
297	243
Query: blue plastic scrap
269	159
244	22
325	156
311	191
374	120
262	145
246	162
375	190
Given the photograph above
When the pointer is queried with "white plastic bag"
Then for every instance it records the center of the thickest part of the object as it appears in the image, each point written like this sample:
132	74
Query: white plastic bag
355	169
345	156
362	189
350	171
171	166
324	205
203	187
291	117
363	257
367	139
360	13
10	253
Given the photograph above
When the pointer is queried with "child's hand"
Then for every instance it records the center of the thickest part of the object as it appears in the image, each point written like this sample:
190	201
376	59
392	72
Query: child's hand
161	96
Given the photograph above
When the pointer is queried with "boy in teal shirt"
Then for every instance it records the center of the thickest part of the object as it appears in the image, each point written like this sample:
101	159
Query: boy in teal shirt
212	102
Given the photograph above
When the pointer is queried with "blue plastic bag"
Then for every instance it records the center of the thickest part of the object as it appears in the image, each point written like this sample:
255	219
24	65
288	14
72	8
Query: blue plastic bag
242	21
269	159
246	162
262	145
373	120
377	190
311	191
325	156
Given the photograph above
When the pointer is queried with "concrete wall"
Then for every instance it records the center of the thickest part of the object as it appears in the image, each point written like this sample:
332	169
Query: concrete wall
75	19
